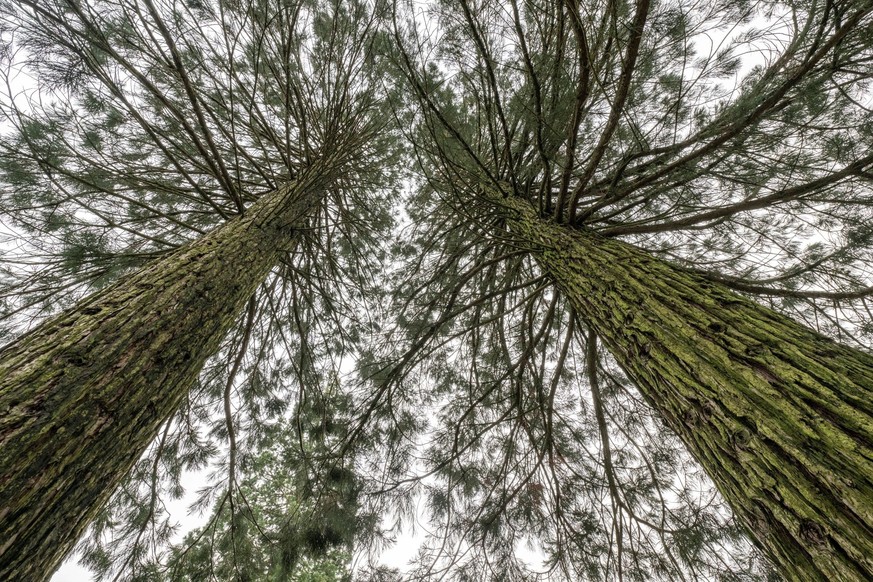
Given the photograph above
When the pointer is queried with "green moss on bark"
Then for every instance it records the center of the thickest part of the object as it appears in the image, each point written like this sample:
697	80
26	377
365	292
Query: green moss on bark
83	394
780	417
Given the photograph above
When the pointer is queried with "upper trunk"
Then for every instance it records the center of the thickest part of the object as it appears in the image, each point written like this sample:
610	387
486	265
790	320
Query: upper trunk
83	394
779	416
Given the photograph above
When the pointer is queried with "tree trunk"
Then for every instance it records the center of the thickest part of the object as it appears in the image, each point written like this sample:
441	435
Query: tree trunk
779	416
83	394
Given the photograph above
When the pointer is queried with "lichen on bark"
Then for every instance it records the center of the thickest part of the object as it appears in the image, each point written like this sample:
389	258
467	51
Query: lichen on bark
779	416
83	394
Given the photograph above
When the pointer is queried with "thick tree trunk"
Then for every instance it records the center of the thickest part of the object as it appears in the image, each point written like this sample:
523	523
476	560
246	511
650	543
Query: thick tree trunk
83	394
780	417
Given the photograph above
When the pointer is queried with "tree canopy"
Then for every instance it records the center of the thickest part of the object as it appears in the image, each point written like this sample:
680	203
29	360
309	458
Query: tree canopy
433	370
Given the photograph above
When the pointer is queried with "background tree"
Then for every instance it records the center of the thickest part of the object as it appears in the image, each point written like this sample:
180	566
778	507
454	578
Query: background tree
730	139
301	504
153	123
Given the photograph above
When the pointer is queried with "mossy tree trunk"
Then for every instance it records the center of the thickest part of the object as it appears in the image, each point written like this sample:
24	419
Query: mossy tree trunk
779	416
83	394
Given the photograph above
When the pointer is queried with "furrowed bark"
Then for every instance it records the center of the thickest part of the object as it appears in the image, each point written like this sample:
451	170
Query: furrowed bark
779	416
83	394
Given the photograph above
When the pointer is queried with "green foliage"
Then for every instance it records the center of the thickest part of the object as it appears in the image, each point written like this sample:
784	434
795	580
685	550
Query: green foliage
723	146
294	517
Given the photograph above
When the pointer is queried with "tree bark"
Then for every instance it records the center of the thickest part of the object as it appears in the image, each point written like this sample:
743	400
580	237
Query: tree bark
779	416
83	394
